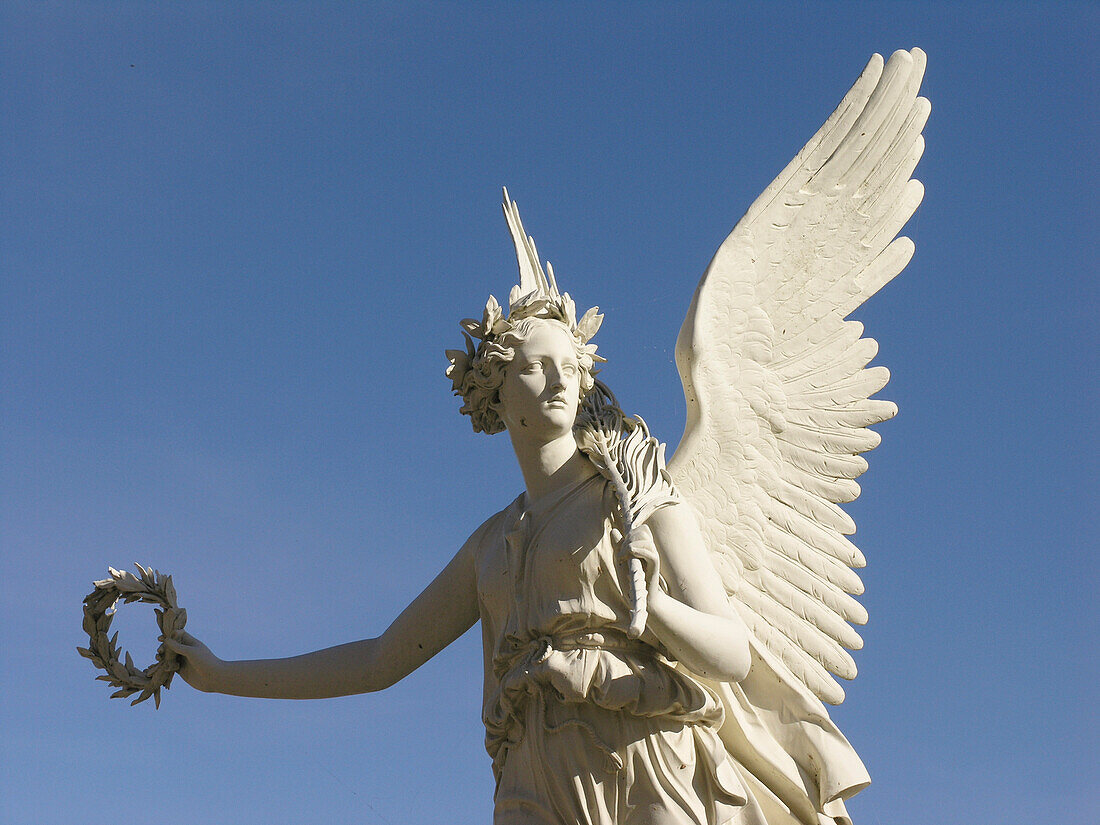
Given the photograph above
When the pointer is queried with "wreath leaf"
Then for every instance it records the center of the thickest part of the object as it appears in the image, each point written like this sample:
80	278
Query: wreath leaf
151	587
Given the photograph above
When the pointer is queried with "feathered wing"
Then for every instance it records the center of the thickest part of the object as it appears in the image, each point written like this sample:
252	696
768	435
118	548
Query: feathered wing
778	391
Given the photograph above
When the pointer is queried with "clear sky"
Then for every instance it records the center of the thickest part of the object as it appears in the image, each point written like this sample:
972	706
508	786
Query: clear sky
235	240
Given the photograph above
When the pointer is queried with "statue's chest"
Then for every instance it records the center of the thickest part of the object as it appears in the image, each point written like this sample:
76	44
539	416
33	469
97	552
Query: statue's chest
534	567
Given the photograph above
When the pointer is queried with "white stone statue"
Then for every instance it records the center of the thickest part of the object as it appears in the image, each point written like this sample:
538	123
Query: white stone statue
658	640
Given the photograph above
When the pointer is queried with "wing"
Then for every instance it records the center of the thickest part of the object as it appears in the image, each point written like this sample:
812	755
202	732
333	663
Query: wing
778	392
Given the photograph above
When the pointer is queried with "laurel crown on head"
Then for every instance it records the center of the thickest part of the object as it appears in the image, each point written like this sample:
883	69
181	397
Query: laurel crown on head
477	371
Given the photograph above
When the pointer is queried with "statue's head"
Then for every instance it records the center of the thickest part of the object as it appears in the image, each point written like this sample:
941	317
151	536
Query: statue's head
535	309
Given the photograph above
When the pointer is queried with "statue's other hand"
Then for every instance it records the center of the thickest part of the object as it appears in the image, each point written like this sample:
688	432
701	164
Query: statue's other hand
198	665
641	545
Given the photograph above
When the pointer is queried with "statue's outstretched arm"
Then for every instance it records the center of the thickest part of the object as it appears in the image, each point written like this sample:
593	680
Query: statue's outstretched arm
693	619
444	611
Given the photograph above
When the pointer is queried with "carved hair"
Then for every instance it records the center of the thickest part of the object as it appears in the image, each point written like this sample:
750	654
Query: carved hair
480	381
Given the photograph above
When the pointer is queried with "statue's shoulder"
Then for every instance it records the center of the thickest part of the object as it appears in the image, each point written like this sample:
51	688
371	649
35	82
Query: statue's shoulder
492	528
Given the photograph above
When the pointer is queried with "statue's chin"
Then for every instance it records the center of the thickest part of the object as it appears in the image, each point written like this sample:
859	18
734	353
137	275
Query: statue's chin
548	425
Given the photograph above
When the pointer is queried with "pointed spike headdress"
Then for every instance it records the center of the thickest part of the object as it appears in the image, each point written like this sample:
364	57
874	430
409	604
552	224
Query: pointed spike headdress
476	372
536	295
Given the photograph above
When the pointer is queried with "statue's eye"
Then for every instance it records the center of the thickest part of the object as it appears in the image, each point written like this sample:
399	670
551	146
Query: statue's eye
532	368
569	369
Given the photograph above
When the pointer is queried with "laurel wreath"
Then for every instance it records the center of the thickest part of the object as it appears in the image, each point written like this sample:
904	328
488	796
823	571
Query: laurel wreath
150	587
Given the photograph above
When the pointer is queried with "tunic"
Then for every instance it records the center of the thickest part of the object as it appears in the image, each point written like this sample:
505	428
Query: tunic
585	725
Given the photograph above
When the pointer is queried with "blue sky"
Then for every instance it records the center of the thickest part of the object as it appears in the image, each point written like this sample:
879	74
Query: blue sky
235	240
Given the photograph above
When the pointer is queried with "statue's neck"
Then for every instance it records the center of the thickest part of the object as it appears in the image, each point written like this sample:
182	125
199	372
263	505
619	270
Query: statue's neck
551	466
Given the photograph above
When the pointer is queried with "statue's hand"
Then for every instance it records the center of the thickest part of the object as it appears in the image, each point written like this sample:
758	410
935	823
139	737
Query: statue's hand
199	667
639	544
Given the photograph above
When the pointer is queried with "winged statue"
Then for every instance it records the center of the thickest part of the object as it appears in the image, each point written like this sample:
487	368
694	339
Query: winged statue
660	639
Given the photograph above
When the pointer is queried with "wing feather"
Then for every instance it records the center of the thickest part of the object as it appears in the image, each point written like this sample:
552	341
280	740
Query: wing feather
822	464
802	666
813	610
897	167
819	367
822	564
833	439
816	587
777	382
813	646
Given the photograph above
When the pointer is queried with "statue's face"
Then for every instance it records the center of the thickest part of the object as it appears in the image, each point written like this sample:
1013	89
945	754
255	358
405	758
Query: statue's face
541	389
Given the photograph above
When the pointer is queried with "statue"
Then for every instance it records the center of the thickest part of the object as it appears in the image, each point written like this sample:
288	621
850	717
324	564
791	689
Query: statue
659	640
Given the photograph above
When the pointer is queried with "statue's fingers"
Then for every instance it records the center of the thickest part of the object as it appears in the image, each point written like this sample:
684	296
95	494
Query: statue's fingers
182	642
643	549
